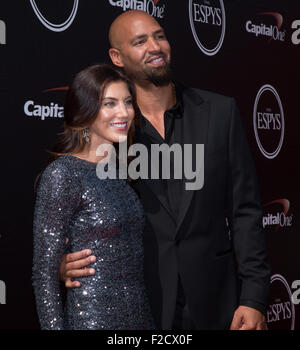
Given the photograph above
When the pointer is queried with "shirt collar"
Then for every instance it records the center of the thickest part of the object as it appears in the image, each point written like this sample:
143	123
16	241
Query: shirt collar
175	111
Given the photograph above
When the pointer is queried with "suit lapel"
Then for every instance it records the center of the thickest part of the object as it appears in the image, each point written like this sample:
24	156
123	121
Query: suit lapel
157	188
195	128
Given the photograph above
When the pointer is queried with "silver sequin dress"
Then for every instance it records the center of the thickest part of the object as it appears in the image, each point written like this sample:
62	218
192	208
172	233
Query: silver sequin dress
105	216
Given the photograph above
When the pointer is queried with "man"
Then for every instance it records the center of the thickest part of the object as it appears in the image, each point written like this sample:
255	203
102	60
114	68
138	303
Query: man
205	254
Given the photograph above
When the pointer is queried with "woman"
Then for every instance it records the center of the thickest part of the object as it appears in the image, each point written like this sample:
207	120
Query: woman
102	215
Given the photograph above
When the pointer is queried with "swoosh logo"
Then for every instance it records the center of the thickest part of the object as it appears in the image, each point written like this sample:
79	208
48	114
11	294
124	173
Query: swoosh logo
284	202
61	88
278	17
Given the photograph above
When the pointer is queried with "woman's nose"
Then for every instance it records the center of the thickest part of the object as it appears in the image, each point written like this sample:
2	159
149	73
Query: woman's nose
122	109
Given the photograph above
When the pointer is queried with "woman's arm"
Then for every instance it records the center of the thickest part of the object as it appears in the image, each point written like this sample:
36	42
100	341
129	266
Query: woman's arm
58	197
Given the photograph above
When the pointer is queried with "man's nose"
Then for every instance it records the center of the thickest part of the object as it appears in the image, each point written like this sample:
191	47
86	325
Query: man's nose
153	45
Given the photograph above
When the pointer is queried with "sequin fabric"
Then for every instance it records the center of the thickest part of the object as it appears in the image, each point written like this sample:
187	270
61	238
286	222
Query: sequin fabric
106	217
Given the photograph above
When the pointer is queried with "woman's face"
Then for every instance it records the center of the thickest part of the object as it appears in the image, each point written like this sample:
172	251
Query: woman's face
115	115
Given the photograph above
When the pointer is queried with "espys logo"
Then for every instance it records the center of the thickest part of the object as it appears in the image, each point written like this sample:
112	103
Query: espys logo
2	33
52	26
149	6
277	214
208	24
43	111
271	31
281	310
268	121
296	33
2	293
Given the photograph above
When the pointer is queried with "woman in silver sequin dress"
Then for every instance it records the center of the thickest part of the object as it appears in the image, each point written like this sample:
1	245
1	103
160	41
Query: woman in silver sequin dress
103	215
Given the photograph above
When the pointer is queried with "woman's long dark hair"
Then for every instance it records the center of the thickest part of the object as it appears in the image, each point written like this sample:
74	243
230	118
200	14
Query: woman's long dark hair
82	103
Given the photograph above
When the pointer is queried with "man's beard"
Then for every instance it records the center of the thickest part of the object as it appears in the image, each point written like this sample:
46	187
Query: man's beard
158	76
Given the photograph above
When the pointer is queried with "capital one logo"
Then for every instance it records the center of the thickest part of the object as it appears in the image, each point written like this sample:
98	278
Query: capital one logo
281	310
2	33
208	24
53	26
273	32
150	6
45	110
268	121
277	214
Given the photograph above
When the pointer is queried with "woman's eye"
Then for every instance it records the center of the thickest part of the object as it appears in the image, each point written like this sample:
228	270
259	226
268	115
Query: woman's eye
109	104
128	102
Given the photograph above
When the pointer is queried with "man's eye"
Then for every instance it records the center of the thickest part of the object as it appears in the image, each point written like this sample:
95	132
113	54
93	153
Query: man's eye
140	42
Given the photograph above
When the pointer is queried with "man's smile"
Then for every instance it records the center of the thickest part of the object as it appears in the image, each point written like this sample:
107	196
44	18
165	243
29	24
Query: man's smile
156	60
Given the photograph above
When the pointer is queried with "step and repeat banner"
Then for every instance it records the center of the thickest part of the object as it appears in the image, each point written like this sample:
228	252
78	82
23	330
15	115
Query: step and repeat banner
248	49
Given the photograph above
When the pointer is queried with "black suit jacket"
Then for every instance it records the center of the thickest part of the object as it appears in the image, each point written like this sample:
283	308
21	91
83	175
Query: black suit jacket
218	264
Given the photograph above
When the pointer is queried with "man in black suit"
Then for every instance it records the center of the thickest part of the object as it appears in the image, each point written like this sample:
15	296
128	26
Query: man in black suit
205	252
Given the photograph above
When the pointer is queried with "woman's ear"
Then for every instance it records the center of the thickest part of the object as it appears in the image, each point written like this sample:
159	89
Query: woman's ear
115	57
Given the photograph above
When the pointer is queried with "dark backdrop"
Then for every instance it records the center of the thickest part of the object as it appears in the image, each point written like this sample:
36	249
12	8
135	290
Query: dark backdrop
222	53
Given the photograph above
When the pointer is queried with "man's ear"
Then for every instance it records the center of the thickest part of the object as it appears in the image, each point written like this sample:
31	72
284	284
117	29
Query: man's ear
115	57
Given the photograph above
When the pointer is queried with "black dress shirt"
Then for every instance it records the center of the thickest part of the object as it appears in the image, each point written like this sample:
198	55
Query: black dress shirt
173	187
173	134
